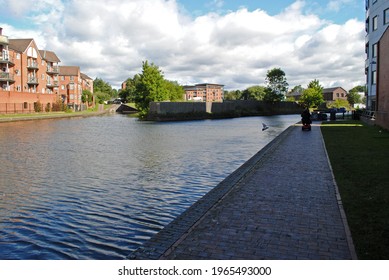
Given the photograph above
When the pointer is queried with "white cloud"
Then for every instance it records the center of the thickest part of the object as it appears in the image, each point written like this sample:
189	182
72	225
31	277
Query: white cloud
336	5
110	39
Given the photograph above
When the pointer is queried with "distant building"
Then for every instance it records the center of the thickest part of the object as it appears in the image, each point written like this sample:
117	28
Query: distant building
332	94
204	92
329	94
24	69
377	21
382	94
71	85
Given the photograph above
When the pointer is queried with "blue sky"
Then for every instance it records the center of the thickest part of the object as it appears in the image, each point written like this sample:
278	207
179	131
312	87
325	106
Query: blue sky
230	42
337	11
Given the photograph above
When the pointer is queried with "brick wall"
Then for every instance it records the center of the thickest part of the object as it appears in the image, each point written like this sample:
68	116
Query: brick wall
382	111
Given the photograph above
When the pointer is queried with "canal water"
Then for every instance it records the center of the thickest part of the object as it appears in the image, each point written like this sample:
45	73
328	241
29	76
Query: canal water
99	187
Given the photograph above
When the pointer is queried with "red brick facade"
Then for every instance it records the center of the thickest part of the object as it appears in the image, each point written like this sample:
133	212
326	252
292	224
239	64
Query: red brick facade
204	92
382	104
29	75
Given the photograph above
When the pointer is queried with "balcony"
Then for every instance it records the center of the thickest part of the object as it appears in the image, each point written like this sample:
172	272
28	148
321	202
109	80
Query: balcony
52	84
5	58
4	40
33	65
52	70
33	81
6	77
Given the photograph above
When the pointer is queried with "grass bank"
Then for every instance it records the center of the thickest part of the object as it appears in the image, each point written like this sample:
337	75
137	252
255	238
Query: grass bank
359	156
50	115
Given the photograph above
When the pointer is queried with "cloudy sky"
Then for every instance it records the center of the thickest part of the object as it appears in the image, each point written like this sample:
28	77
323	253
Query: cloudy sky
216	41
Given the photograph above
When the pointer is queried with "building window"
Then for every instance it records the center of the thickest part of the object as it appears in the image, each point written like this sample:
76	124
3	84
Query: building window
375	23
386	16
374	77
374	54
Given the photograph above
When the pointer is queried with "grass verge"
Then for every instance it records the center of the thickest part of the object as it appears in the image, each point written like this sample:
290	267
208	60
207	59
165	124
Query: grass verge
359	156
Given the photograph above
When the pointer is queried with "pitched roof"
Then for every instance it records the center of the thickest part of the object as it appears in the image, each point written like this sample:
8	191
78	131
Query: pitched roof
19	45
85	77
69	70
49	56
332	89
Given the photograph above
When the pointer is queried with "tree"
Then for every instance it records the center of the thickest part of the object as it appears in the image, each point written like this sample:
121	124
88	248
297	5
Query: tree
175	91
129	93
253	93
276	85
103	90
232	95
151	87
311	97
315	84
86	97
353	95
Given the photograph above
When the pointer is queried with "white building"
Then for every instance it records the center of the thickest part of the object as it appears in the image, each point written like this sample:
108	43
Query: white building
377	21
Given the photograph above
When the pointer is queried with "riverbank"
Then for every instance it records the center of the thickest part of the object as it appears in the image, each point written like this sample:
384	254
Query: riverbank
185	111
359	155
51	115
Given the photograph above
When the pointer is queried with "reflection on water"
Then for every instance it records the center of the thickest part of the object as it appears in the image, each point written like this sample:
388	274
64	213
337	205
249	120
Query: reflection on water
98	187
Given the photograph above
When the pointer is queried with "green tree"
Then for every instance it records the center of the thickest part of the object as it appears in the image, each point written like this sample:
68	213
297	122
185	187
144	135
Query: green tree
276	85
254	93
315	84
129	93
313	95
86	97
103	90
311	98
151	87
353	95
232	95
175	91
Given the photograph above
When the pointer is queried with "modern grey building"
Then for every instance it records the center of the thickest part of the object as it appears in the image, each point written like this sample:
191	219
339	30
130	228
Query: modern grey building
377	21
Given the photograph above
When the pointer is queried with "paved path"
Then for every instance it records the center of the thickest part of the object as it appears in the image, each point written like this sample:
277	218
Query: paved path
283	204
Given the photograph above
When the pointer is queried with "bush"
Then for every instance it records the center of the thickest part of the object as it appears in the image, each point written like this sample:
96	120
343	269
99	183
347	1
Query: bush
37	106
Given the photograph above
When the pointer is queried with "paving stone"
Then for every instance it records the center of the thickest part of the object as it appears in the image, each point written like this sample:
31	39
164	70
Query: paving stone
281	204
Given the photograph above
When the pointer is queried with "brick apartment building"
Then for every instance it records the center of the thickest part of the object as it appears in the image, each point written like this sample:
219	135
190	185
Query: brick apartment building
29	75
332	94
204	92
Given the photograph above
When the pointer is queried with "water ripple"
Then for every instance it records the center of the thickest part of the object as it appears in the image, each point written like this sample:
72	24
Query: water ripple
97	188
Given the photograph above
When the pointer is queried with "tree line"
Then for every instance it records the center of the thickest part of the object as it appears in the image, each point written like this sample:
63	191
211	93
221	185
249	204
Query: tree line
150	85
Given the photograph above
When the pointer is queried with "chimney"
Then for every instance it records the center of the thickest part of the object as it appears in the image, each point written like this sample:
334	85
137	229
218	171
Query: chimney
1	31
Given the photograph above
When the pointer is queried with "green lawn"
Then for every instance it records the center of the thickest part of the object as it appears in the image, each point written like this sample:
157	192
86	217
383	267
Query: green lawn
359	156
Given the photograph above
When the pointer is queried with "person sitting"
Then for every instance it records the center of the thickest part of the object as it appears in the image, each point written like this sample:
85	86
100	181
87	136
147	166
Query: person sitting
306	117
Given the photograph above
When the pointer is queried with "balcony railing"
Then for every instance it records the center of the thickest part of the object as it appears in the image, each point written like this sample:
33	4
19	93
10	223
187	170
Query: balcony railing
52	70
33	65
32	81
52	84
6	77
4	40
5	58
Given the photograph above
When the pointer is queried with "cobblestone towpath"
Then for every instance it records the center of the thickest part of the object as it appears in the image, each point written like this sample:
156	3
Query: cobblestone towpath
281	204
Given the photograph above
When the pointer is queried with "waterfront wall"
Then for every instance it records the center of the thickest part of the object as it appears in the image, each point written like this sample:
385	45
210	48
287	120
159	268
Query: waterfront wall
23	102
236	108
